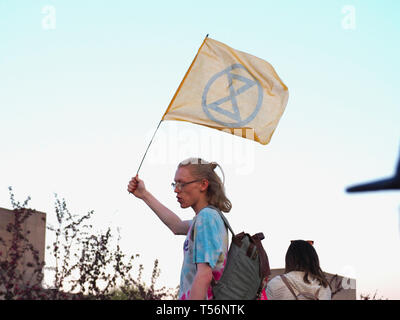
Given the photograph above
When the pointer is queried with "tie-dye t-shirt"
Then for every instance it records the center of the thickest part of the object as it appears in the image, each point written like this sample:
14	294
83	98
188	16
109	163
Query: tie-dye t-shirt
209	245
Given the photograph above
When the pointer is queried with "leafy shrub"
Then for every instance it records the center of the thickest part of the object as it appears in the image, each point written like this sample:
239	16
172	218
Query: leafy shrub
86	265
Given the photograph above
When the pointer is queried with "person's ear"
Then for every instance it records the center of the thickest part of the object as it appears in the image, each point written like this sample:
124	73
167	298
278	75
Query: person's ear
204	185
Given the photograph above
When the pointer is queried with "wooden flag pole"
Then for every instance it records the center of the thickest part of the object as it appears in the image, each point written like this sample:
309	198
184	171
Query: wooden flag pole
148	147
170	105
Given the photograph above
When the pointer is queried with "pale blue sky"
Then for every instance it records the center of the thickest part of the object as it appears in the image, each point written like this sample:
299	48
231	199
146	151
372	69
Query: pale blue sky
79	103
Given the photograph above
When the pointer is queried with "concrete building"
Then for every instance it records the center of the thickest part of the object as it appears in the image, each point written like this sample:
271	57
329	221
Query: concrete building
34	229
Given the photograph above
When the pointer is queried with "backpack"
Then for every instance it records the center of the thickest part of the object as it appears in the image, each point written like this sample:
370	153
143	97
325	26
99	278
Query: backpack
246	268
303	295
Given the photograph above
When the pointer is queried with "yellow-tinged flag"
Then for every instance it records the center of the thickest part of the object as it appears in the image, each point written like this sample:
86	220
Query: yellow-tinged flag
232	91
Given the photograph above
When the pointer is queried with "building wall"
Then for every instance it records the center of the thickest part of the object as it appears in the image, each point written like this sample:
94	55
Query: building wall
34	228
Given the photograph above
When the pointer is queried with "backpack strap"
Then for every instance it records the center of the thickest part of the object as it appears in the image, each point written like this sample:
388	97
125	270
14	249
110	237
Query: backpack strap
286	282
223	218
265	270
264	263
317	294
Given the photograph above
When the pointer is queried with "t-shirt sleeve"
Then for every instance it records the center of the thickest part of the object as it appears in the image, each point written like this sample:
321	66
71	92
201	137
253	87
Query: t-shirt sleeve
209	232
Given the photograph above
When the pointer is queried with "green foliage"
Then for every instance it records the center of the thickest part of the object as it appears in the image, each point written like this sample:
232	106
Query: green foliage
86	265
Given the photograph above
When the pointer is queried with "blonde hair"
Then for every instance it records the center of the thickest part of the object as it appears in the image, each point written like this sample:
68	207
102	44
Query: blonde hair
202	169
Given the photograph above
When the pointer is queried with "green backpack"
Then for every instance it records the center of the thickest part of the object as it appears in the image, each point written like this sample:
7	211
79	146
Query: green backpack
246	267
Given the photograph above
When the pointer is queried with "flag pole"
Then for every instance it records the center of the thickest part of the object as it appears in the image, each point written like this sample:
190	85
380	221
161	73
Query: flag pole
173	98
148	147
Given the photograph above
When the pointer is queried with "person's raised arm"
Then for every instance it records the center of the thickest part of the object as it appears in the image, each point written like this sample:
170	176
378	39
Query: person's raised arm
170	219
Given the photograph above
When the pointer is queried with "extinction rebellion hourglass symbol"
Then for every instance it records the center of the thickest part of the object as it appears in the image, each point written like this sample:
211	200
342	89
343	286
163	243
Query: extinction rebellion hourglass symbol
213	109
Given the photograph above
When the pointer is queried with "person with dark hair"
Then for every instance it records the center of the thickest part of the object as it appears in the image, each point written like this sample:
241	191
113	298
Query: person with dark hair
303	278
206	246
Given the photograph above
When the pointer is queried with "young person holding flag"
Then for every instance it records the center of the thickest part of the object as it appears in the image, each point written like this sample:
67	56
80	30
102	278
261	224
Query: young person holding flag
206	245
231	91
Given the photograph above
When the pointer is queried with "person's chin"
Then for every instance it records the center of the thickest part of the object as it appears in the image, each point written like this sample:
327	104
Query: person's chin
183	205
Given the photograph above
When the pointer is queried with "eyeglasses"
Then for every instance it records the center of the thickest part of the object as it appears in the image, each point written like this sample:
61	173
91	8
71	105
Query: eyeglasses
180	185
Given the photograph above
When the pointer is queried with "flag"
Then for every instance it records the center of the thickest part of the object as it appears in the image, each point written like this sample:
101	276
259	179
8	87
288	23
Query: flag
232	91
